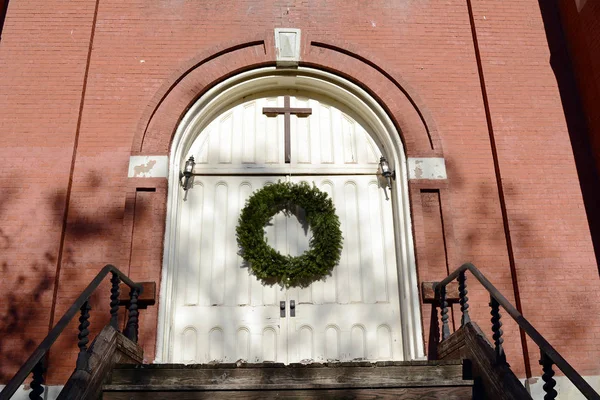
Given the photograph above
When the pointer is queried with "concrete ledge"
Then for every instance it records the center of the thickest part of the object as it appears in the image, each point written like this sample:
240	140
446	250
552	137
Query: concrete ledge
148	167
427	168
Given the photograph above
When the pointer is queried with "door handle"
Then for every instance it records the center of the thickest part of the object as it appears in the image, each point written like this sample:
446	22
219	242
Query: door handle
292	308
282	309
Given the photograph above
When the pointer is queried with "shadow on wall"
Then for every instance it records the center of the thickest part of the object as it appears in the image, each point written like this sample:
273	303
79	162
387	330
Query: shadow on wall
20	311
579	132
485	239
20	317
28	295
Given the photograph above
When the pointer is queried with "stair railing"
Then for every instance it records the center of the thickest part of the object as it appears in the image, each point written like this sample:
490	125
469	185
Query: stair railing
549	356
35	363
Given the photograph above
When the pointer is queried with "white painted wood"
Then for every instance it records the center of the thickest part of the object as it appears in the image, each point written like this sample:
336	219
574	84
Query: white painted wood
363	269
224	307
384	342
233	316
243	344
190	344
358	345
328	141
235	311
194	131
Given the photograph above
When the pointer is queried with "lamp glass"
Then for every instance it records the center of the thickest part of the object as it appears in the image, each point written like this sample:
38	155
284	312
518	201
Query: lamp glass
385	167
189	165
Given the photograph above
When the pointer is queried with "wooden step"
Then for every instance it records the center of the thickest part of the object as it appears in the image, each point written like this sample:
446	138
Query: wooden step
358	380
438	393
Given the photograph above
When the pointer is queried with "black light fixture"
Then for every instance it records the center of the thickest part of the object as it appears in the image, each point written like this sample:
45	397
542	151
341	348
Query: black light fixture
187	173
386	172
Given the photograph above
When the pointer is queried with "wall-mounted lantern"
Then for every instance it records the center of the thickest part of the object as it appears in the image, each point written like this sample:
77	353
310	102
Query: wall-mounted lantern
186	175
386	171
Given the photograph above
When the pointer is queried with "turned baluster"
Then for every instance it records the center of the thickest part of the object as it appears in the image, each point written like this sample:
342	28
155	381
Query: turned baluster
114	300
444	312
37	381
496	328
131	330
463	299
548	376
84	323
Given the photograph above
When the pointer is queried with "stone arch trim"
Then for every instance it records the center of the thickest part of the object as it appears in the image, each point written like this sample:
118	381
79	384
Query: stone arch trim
407	111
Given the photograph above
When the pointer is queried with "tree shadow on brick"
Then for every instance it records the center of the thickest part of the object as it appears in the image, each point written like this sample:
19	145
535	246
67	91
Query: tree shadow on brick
22	315
28	296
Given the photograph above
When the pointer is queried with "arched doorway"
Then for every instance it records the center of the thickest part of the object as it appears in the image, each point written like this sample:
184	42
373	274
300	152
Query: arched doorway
211	308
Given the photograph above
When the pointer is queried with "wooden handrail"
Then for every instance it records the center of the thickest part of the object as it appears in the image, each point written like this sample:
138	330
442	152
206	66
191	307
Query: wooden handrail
37	355
542	343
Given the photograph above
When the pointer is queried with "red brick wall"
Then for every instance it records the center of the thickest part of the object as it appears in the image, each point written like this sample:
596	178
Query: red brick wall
552	248
78	98
43	55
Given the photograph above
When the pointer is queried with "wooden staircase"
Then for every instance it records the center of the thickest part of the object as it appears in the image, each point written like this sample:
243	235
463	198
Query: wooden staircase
357	380
101	372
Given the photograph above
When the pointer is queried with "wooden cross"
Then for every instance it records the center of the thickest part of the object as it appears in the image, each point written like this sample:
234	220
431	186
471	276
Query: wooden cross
287	111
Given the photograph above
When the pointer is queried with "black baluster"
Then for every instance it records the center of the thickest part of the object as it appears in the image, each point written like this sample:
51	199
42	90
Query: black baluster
131	330
444	311
463	299
114	300
547	376
496	328
38	380
84	323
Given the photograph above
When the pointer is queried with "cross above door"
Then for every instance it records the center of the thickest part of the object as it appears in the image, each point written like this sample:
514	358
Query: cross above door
287	112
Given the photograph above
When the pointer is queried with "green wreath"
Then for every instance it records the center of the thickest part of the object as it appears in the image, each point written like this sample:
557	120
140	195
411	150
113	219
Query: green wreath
266	263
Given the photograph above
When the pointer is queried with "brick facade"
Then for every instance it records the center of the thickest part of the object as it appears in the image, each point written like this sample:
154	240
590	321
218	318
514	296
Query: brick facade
87	84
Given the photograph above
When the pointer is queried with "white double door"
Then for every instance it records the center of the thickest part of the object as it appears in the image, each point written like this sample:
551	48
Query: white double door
223	314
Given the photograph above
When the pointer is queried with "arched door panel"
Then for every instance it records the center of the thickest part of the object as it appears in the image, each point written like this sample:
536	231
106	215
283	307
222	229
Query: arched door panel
221	313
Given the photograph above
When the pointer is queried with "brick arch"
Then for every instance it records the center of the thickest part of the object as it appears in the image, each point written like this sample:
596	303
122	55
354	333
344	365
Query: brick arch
407	110
159	121
412	118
